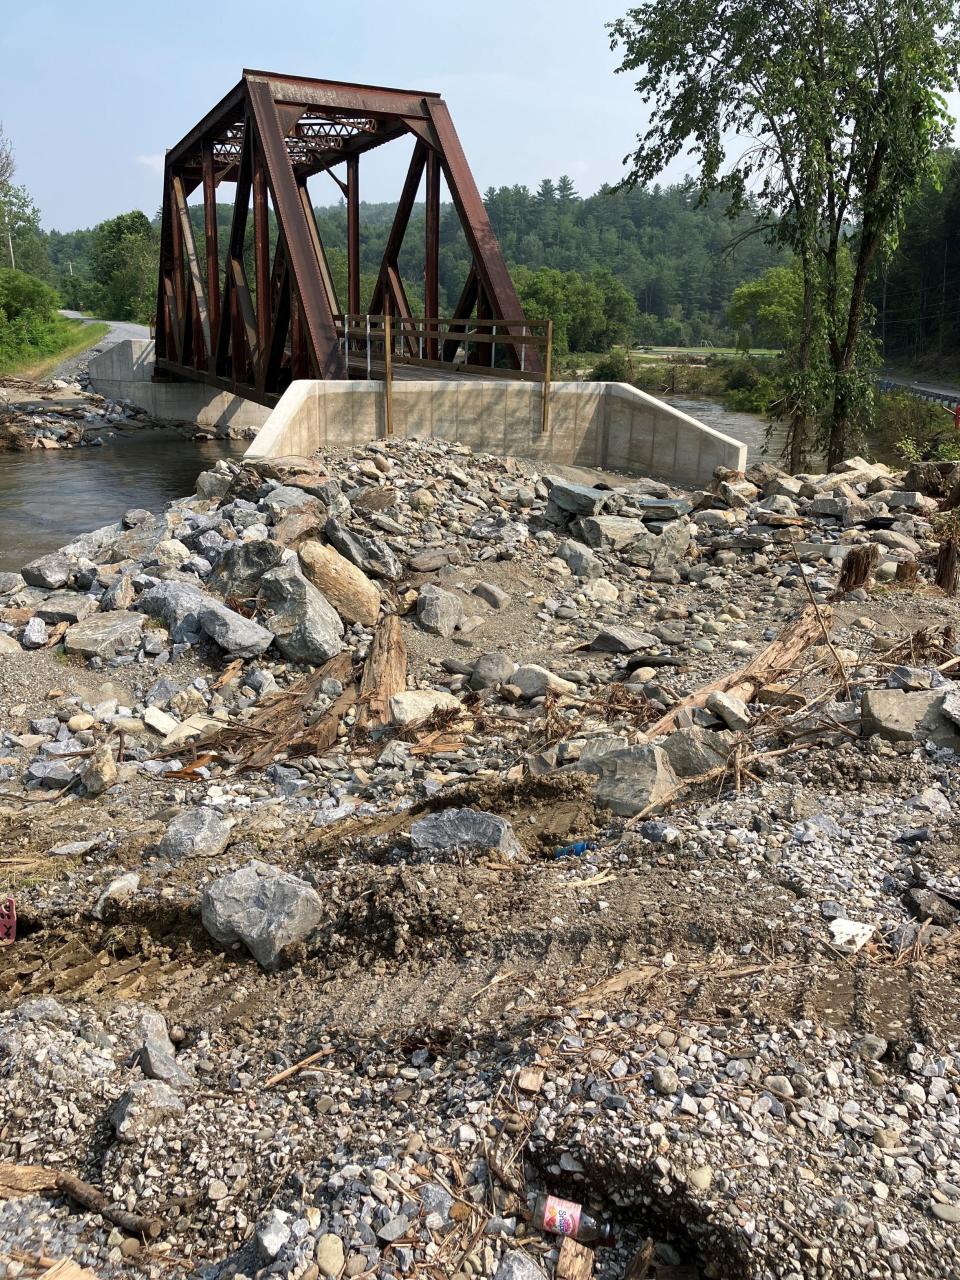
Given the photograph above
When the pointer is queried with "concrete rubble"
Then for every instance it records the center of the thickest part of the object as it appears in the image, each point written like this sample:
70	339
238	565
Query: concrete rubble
401	833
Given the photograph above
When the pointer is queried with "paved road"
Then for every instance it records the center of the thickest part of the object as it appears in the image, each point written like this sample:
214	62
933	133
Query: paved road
120	330
921	385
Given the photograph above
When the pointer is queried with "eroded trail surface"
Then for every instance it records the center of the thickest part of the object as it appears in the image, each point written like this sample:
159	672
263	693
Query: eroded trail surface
398	835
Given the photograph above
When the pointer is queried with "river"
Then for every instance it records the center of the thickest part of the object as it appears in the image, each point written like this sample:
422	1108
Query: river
750	428
48	497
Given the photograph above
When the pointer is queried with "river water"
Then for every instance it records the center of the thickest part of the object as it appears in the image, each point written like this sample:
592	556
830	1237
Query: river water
750	428
48	497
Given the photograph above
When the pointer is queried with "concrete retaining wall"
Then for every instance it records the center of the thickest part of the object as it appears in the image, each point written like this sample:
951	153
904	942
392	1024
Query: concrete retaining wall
604	425
125	372
608	425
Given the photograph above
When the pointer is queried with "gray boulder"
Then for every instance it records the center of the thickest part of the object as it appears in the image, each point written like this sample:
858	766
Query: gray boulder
619	639
370	554
158	1059
491	669
66	606
615	532
103	635
242	566
580	559
177	605
231	630
439	612
692	752
144	1104
577	499
631	779
262	907
49	571
660	552
213	484
195	833
306	627
454	829
899	716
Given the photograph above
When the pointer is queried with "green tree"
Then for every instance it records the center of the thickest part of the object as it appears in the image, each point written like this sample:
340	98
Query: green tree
844	100
771	307
20	233
123	267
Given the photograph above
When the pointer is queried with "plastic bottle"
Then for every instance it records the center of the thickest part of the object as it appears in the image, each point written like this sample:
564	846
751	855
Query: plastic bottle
567	1218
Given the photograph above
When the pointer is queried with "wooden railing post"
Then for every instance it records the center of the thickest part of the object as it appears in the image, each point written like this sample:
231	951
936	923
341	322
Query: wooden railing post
388	367
547	374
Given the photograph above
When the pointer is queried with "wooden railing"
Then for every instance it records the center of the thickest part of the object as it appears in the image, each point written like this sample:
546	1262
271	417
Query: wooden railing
514	350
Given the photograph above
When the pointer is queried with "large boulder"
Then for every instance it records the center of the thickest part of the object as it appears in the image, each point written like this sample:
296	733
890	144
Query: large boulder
238	573
453	829
693	752
439	612
577	499
66	606
580	560
104	635
900	716
199	832
306	627
370	554
346	587
262	907
614	532
633	778
177	605
231	630
50	571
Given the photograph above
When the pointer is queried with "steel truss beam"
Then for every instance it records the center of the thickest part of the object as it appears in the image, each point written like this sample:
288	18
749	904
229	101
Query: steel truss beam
264	311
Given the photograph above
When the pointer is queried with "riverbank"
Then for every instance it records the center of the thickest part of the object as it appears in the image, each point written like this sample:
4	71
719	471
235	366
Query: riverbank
63	340
399	834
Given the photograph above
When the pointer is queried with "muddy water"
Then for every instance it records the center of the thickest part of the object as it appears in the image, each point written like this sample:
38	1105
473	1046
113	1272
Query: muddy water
750	428
49	497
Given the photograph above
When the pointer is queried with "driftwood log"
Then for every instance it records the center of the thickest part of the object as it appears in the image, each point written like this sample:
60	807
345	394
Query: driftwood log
36	1179
384	674
766	667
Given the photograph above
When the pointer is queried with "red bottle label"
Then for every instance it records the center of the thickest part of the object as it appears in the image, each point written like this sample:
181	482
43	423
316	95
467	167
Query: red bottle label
561	1216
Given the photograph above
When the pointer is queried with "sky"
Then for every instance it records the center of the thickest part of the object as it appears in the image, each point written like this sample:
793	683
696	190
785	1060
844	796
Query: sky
91	94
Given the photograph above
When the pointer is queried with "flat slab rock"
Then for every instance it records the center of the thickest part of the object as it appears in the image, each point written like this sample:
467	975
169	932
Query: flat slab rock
633	778
195	833
464	829
262	907
900	716
103	635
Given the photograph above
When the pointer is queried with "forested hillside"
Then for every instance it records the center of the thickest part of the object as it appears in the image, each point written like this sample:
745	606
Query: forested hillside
917	294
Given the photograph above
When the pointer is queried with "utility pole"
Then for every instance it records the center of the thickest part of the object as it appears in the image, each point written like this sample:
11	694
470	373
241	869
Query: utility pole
13	261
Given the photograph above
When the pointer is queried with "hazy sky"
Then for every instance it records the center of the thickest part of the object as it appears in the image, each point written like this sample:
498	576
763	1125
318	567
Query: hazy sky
91	93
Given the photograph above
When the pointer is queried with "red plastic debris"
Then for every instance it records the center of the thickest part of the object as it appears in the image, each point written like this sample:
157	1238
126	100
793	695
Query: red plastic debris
8	922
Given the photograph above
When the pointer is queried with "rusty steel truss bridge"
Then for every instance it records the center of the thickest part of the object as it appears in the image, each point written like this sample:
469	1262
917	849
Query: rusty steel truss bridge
252	323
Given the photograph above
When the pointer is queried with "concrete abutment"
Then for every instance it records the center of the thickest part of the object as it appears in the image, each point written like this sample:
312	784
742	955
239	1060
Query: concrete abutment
611	426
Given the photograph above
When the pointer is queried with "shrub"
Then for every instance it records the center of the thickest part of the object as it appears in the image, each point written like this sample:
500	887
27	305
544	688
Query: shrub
615	366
